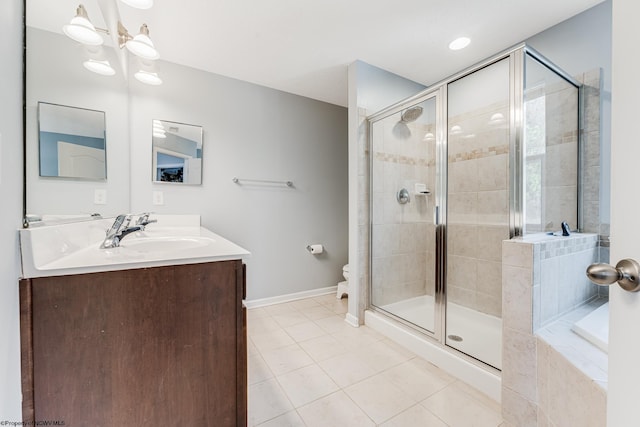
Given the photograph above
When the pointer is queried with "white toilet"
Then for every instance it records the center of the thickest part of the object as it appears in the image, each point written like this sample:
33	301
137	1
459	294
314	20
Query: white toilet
343	287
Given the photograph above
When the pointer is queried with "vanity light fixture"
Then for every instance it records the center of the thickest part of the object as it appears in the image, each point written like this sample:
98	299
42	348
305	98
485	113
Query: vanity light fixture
139	4
82	30
100	67
459	43
148	77
140	45
96	61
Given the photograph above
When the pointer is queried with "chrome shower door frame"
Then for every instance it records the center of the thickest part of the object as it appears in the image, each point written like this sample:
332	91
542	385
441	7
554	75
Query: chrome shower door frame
439	211
517	70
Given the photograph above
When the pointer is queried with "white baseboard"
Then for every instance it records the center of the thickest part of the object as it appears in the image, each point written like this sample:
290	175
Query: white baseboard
352	320
263	302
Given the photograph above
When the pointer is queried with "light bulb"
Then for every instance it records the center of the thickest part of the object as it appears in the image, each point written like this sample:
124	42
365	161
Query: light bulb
139	4
82	30
142	46
100	67
148	78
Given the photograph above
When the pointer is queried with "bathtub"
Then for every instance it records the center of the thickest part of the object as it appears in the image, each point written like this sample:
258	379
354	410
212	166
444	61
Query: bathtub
594	327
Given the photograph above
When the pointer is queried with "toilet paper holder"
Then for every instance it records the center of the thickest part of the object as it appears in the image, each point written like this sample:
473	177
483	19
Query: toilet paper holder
315	249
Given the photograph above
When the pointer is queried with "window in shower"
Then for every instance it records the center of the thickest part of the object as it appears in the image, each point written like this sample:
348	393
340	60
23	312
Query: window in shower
403	189
550	147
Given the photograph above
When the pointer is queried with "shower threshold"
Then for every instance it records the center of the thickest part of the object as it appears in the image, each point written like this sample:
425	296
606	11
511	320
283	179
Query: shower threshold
476	334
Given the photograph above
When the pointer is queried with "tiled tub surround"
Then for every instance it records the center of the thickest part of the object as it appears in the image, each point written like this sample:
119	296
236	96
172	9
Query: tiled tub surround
543	279
571	374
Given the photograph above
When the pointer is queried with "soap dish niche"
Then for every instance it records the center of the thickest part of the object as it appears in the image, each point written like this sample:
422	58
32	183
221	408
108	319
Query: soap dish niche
421	189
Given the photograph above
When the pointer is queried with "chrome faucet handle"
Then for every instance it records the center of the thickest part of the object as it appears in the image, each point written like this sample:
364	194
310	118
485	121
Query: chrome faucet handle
117	224
143	219
119	230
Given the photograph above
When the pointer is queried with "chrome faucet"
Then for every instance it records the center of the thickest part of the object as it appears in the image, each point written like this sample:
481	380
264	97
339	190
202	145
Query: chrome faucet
143	220
119	230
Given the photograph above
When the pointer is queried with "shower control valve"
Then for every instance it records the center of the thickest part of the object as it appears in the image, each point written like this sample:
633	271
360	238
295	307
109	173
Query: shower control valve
403	196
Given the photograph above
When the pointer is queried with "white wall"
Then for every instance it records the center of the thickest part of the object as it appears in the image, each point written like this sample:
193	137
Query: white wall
11	212
581	44
253	132
624	307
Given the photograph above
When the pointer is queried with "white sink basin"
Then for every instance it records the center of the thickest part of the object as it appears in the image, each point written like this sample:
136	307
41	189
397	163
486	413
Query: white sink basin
166	243
75	248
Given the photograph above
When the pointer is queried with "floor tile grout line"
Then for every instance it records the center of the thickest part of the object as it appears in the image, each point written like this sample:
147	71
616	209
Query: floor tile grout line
353	350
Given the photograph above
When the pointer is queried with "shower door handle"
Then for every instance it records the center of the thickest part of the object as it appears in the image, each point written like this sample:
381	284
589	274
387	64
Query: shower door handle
626	273
436	215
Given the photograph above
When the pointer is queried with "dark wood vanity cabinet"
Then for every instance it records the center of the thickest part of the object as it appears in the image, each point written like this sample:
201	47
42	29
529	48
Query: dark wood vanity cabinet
163	346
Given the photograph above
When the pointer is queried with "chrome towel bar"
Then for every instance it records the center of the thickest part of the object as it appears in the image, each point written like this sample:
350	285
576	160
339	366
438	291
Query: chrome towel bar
261	181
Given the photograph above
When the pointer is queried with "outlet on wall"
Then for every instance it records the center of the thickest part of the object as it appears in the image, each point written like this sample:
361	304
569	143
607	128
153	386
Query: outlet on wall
158	198
100	197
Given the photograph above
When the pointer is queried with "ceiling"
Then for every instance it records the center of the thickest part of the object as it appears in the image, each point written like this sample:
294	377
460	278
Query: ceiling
304	47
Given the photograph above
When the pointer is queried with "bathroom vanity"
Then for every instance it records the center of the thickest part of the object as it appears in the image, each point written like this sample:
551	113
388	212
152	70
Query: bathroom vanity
143	345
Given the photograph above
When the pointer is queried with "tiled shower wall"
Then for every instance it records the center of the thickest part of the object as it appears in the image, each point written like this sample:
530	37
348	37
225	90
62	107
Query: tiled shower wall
478	211
403	245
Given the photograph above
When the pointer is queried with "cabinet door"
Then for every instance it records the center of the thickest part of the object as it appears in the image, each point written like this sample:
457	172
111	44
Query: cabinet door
141	347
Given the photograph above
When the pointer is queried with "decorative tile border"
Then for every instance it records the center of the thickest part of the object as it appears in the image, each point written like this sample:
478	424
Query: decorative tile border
406	160
567	246
479	154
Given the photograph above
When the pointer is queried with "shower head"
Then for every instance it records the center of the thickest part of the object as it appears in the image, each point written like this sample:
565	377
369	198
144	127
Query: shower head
411	114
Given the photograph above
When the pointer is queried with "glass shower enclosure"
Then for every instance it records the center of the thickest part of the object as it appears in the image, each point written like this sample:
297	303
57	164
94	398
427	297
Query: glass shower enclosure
486	155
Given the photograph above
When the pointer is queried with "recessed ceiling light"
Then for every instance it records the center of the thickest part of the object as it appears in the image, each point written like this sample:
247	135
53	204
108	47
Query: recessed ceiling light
459	43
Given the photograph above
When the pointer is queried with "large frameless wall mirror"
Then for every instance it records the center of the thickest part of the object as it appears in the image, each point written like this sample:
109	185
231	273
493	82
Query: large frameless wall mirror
55	77
177	152
72	142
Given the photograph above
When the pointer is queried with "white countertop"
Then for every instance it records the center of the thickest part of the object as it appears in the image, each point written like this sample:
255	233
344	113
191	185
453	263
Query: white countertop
74	248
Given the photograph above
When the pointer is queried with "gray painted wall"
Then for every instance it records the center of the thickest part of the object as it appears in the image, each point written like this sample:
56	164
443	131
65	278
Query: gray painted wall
253	132
11	212
249	131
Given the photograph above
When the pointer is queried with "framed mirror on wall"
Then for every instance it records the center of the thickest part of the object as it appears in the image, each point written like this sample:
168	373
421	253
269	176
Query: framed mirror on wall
72	142
176	153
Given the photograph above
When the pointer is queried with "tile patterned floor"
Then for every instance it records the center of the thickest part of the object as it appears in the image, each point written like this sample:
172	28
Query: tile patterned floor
307	367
